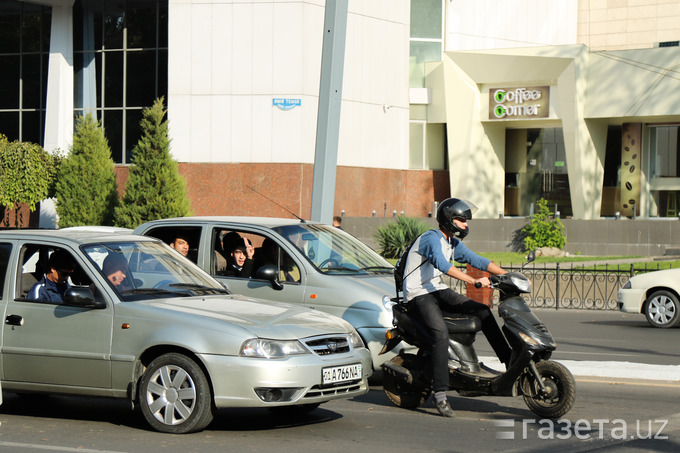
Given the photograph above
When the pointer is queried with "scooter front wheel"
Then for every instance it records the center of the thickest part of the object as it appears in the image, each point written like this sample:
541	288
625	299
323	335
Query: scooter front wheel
401	393
559	394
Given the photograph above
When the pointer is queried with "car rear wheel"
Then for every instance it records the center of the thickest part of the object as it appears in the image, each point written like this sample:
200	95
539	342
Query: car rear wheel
662	309
175	396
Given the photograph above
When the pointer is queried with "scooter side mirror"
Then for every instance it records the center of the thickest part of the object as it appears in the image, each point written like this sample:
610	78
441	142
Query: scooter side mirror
531	256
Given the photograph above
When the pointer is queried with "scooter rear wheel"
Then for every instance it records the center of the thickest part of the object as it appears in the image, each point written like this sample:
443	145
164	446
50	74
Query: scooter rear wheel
561	390
402	394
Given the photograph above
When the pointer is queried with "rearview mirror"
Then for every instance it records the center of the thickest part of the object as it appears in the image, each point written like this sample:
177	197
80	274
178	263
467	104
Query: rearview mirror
270	273
81	296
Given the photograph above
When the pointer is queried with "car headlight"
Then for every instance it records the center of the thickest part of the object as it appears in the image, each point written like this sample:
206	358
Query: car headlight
271	349
388	303
356	340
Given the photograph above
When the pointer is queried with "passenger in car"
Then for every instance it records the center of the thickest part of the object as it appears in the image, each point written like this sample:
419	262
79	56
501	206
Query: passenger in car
115	269
240	258
181	244
54	283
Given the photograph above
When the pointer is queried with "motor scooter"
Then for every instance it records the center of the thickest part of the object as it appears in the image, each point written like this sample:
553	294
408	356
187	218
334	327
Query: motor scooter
548	387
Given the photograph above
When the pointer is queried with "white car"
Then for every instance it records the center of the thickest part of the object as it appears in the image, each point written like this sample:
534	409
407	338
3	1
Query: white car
655	295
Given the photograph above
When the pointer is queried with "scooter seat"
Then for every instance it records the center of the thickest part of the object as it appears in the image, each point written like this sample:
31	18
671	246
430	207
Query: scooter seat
463	324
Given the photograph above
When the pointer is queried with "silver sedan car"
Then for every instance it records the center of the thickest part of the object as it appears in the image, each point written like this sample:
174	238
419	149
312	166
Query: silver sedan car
125	316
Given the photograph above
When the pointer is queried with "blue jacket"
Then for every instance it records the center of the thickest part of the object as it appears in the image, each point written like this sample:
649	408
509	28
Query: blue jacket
435	252
48	291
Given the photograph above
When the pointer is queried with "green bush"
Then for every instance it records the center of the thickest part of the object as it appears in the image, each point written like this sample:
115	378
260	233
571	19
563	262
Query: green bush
27	173
394	237
155	189
544	231
86	188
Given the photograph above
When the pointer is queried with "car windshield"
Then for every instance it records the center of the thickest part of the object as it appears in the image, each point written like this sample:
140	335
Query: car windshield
333	251
145	270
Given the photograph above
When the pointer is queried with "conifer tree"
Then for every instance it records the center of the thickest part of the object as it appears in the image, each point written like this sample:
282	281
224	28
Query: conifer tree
155	189
86	189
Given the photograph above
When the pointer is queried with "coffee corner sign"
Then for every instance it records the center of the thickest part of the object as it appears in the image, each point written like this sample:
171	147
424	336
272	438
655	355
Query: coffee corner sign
519	103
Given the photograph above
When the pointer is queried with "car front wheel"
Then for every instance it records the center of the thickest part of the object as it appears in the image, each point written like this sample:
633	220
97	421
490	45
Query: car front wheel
662	309
175	396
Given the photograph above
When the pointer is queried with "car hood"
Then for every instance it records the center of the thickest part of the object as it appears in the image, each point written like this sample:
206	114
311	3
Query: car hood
264	319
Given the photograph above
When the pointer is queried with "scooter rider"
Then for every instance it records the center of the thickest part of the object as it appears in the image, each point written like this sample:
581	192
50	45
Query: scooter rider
429	258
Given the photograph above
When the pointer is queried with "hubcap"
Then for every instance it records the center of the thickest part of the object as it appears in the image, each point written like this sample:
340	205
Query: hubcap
171	395
661	310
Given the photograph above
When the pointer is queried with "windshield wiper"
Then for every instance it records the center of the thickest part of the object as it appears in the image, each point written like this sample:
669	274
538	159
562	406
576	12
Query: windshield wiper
150	291
342	268
378	268
196	287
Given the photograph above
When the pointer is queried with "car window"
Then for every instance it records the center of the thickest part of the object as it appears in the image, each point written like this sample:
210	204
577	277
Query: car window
5	252
334	251
184	239
46	272
266	251
138	270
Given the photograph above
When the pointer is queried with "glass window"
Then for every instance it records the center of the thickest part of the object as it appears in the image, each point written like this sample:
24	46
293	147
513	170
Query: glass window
141	80
10	24
129	42
114	24
113	127
113	79
32	127
9	82
24	51
426	19
142	22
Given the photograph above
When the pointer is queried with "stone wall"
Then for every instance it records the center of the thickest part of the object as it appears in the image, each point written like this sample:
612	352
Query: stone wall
603	237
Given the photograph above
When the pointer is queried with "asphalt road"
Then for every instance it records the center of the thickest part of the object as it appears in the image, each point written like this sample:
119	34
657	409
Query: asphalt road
591	338
607	416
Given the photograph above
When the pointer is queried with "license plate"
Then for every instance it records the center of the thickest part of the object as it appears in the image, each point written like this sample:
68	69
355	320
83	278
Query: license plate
337	374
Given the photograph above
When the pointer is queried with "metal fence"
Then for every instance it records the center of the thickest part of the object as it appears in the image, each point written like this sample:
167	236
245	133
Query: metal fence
556	286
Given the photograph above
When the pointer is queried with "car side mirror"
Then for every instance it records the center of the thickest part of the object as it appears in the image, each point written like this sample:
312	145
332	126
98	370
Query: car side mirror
270	273
81	296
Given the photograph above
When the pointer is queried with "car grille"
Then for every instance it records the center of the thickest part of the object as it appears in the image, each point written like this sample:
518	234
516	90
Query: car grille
317	391
328	345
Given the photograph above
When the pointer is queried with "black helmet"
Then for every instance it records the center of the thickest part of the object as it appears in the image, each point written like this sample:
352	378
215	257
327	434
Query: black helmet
453	208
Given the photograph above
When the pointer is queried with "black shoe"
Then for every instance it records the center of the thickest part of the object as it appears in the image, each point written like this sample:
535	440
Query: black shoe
444	409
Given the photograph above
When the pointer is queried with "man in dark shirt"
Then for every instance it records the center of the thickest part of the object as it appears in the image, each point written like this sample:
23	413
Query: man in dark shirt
54	283
240	258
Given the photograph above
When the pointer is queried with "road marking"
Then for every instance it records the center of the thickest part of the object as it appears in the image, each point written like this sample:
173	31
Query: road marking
55	448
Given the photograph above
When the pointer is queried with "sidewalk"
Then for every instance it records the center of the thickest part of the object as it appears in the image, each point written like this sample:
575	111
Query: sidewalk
612	370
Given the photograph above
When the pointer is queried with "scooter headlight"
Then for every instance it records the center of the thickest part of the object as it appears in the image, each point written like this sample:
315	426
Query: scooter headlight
527	339
522	284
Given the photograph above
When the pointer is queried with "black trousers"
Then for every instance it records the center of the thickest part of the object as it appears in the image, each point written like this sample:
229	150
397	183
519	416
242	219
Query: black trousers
432	307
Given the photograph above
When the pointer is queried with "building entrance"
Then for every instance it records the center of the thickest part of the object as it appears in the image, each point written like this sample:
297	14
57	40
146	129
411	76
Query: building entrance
535	168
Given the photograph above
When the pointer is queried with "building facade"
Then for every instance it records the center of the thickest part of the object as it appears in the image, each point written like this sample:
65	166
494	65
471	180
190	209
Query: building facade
241	82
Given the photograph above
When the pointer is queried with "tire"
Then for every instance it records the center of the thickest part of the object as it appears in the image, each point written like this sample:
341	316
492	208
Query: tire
399	392
559	381
294	411
175	396
662	309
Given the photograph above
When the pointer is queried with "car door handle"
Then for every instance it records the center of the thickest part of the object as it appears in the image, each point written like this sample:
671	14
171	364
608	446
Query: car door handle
14	320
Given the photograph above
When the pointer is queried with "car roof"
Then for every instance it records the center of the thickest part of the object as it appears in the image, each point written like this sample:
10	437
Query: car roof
270	222
74	235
